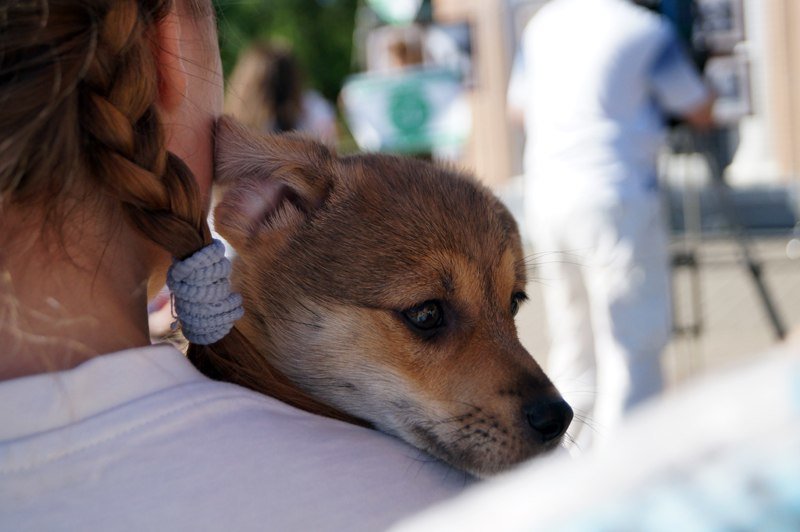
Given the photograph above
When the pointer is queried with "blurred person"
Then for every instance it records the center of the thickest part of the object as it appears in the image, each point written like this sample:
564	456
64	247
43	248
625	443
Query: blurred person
594	82
105	170
266	91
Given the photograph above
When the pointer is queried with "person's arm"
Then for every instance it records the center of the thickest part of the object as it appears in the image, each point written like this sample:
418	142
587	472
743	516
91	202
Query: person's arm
702	117
677	85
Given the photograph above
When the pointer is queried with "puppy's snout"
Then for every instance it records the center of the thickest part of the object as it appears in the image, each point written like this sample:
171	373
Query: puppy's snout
549	418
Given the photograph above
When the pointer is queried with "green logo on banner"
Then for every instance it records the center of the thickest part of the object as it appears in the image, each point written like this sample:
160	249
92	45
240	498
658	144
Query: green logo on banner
408	109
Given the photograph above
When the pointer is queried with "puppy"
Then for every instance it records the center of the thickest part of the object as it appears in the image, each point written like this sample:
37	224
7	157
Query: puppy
386	289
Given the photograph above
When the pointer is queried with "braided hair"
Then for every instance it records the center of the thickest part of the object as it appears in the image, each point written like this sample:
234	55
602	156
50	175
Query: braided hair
79	85
78	89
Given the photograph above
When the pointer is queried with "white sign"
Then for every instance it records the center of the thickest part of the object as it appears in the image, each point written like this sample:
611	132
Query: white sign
409	111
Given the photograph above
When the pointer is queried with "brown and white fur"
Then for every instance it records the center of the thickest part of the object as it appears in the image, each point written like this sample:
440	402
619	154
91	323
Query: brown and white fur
337	258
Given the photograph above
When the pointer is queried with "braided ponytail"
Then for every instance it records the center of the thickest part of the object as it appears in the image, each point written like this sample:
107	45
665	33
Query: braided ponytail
158	193
79	85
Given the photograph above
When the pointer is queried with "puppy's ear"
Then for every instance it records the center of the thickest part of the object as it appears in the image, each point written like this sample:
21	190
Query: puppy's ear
268	185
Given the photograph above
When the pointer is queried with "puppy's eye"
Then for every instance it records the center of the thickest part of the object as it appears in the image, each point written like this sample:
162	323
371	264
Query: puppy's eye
426	316
516	299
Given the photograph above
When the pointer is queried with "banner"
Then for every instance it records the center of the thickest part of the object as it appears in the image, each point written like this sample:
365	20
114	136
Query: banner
410	111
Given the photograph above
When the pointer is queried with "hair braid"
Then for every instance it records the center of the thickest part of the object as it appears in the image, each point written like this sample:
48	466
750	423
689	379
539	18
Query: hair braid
127	151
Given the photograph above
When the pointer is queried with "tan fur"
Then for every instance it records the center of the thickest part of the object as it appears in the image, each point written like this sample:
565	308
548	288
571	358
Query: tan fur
331	251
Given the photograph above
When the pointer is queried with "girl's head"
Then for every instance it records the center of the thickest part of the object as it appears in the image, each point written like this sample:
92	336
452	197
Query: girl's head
108	108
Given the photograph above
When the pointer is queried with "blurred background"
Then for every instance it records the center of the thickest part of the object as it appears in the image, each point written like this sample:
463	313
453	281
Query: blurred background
429	78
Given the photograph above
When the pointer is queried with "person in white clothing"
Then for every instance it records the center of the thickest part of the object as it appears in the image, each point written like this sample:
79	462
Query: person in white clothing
594	82
105	171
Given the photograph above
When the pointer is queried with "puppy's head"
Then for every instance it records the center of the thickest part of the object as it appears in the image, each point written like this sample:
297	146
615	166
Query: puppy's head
387	287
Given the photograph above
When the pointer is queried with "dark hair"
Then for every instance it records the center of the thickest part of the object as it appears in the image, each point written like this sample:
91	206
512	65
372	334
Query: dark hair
265	90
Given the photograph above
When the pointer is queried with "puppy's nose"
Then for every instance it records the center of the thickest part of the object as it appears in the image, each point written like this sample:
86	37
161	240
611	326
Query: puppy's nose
549	418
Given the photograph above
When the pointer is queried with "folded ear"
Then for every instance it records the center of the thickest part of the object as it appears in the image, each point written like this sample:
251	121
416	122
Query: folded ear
268	185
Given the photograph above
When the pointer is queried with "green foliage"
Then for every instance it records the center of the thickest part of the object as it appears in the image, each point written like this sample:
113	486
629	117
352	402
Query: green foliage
319	31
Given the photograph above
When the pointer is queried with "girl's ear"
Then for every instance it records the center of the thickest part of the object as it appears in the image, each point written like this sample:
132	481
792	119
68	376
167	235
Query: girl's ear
269	185
171	69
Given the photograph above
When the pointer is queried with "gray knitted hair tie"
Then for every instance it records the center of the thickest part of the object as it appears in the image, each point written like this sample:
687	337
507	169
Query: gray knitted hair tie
202	298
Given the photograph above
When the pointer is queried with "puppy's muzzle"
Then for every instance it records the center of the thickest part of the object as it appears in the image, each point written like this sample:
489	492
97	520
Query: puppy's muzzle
549	419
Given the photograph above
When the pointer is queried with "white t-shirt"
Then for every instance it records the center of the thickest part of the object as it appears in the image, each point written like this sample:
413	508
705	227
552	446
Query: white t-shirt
595	79
139	440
